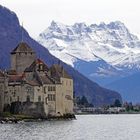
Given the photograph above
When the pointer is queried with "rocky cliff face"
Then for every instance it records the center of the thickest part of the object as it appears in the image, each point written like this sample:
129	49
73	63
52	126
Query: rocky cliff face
10	36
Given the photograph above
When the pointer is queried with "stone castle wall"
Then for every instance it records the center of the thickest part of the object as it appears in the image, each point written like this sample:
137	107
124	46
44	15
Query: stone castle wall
20	61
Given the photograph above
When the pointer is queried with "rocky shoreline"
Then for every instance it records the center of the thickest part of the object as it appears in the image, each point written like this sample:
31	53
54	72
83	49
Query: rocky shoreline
19	119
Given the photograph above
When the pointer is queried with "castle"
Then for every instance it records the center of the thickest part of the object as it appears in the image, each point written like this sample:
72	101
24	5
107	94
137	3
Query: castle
30	87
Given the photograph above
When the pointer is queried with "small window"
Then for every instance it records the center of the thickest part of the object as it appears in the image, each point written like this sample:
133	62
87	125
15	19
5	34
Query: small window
49	98
28	98
45	90
54	88
53	97
10	99
17	98
39	98
46	100
49	88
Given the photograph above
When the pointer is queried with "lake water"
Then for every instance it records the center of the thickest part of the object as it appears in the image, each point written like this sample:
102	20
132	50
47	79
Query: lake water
86	127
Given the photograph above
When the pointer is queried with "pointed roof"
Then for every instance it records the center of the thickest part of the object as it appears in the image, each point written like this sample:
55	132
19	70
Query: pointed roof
58	71
35	64
22	47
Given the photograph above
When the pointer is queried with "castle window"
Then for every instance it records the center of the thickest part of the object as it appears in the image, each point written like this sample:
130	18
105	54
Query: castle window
49	88
51	97
39	98
45	90
17	98
28	89
46	100
54	89
28	98
41	67
10	99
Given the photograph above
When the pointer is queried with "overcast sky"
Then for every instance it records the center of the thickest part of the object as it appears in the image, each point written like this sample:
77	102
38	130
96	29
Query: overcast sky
38	14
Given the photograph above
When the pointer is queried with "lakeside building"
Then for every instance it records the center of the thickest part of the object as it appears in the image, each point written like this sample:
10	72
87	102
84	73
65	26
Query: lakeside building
30	87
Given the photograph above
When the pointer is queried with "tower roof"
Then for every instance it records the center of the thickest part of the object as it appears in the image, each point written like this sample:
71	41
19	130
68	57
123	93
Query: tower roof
34	65
22	47
58	71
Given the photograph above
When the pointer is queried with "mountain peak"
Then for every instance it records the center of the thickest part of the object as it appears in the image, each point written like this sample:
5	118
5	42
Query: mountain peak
116	25
9	26
110	42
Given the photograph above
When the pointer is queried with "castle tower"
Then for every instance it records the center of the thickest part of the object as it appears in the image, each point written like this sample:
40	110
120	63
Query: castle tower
22	57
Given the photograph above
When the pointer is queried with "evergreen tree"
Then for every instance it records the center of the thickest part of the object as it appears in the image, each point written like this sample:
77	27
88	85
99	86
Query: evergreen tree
117	103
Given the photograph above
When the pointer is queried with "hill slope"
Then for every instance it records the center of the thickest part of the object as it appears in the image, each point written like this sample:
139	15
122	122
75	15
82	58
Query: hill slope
10	36
129	87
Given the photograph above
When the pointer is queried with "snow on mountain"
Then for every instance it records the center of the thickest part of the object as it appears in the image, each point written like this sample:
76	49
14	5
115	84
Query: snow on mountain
10	36
110	48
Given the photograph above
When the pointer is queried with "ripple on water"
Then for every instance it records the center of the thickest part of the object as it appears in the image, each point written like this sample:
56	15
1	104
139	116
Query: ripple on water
86	127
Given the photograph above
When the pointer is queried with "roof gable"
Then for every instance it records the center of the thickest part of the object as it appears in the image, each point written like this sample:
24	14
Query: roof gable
22	47
38	65
58	71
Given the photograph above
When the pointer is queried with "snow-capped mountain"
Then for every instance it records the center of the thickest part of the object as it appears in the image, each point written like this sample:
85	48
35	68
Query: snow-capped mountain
10	36
104	50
